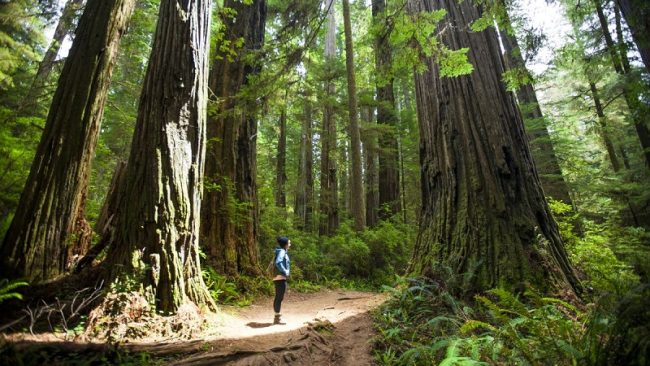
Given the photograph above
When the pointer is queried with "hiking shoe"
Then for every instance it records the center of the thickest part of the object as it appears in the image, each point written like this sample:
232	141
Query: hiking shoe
276	319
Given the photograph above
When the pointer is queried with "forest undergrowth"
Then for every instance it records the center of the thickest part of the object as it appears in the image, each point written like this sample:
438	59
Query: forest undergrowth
441	320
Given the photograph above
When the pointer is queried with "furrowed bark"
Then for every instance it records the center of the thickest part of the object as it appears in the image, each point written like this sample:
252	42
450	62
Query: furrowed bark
483	209
51	207
157	223
541	145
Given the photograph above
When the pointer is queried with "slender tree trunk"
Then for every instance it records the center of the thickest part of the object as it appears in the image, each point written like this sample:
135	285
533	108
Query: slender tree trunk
229	216
389	173
483	208
157	224
63	28
631	96
50	211
329	210
305	186
281	175
604	129
344	179
622	46
356	192
637	17
541	146
403	180
370	168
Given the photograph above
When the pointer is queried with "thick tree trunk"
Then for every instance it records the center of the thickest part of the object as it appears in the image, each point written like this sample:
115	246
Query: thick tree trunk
50	211
637	17
64	27
541	146
483	208
305	186
630	94
356	180
229	216
370	168
329	208
281	163
157	224
389	173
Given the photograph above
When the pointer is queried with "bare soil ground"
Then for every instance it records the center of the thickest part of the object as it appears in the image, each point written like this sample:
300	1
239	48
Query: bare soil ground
330	327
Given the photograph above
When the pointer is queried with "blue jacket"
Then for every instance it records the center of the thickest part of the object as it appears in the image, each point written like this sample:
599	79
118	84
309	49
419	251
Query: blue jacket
282	262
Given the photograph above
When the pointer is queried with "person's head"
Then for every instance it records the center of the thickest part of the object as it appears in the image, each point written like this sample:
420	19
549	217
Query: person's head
284	242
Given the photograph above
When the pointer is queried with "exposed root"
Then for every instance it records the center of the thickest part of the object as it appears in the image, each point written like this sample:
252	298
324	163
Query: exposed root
127	316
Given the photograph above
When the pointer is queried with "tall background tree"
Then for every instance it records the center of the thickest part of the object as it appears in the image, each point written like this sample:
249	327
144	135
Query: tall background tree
356	180
229	218
329	210
389	176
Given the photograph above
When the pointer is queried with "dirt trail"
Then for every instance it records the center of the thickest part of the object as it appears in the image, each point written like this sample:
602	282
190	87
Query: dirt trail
329	327
323	328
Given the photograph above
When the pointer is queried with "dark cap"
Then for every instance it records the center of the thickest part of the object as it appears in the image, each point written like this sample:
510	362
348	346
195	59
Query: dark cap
283	241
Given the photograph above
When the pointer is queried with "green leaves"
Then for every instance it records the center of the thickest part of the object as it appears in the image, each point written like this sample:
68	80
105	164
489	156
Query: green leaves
414	39
7	289
454	63
516	78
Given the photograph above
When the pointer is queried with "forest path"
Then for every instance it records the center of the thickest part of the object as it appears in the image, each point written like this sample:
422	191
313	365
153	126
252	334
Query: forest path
329	327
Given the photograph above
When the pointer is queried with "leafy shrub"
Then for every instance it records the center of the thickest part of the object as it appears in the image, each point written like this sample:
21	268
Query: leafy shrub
618	331
366	259
601	252
239	291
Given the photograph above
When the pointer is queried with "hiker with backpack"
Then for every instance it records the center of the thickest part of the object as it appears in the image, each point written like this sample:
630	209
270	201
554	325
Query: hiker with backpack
282	266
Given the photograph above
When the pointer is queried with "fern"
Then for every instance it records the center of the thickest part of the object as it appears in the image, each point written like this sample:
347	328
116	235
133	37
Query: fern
472	325
7	289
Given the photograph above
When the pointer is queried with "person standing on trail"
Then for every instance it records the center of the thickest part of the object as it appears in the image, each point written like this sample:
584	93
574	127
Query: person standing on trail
282	266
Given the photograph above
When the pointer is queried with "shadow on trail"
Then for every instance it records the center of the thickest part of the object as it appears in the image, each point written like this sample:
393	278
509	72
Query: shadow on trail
260	325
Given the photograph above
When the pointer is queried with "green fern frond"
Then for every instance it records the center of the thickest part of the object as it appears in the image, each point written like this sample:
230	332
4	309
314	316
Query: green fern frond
472	325
7	289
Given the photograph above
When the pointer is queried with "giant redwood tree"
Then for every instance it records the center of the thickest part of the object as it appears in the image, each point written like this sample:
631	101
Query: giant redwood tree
483	208
157	224
49	223
229	214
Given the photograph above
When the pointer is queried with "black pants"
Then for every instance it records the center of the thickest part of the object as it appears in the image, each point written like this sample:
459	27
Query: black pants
280	288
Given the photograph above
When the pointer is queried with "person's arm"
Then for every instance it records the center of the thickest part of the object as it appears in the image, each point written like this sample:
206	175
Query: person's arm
279	263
